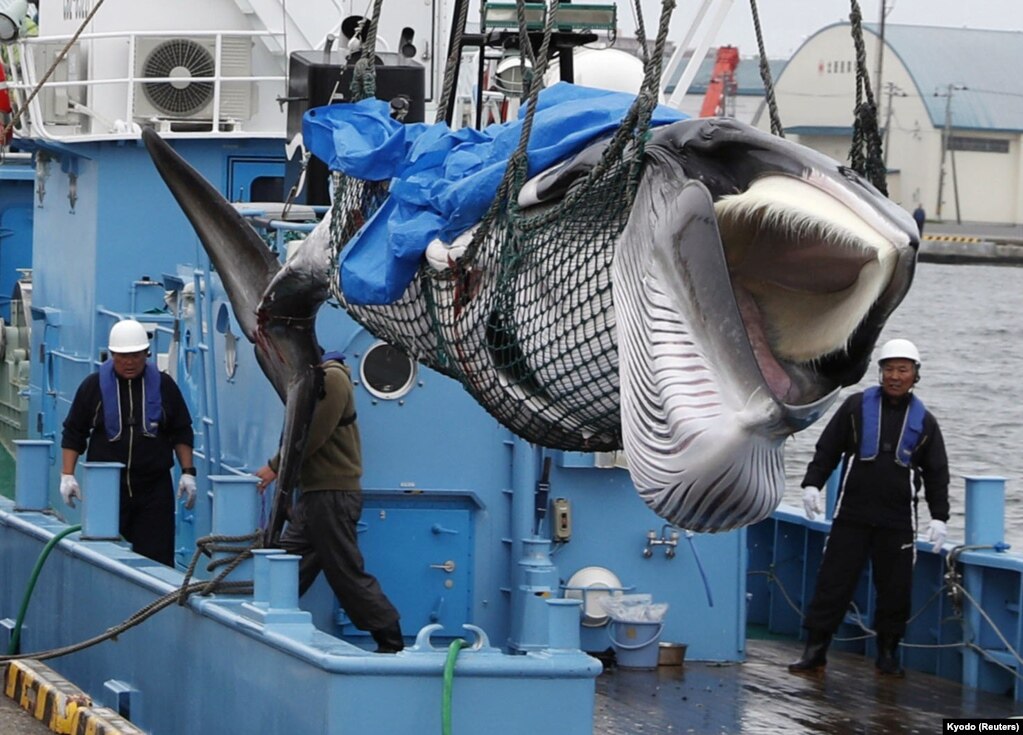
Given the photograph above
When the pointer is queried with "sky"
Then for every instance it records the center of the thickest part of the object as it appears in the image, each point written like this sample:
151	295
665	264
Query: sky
787	23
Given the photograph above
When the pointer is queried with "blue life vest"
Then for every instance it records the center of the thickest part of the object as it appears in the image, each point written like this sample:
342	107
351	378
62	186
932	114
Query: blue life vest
909	438
111	398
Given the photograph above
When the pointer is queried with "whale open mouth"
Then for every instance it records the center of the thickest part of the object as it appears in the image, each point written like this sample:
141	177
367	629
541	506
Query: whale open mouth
805	269
736	318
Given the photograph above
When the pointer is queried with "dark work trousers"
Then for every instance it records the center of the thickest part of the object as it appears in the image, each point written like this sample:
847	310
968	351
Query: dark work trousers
147	516
846	552
322	530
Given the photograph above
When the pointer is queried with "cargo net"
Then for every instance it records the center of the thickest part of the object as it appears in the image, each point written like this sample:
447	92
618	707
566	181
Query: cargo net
524	319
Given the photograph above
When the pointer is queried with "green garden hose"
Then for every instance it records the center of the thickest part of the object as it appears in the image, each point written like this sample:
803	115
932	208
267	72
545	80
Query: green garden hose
449	675
16	634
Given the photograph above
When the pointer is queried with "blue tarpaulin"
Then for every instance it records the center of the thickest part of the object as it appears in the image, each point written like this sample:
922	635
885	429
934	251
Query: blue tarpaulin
442	181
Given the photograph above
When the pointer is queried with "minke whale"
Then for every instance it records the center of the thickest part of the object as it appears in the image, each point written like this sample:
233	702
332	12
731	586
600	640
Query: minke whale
749	284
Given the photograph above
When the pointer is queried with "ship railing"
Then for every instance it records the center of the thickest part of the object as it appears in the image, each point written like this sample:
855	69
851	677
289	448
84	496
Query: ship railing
86	99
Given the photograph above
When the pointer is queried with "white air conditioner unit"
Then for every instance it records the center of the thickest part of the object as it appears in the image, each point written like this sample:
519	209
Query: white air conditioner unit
190	62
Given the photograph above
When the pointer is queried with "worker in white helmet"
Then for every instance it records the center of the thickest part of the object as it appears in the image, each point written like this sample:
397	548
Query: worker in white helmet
130	412
888	442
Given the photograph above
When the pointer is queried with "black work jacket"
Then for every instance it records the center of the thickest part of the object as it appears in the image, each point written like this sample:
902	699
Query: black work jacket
143	456
881	492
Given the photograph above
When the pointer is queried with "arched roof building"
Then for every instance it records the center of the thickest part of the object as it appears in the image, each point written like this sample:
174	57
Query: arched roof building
966	82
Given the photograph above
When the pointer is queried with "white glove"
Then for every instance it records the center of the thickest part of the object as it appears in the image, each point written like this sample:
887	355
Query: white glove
186	490
936	534
69	490
812	502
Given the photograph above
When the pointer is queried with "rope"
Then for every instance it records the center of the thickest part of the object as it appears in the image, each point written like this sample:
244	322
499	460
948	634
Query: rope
213	544
49	72
641	31
453	62
364	75
765	74
866	157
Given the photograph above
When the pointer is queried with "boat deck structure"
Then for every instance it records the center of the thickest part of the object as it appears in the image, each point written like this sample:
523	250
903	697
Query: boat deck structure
756	696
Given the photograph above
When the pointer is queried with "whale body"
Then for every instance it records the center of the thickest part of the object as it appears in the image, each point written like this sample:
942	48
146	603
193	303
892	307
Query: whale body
746	284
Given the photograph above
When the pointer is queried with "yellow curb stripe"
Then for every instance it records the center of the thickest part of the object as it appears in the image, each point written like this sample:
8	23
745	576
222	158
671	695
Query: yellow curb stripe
101	721
952	238
45	694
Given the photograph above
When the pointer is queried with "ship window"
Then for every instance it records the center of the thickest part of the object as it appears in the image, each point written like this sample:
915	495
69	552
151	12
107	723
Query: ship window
979	145
386	371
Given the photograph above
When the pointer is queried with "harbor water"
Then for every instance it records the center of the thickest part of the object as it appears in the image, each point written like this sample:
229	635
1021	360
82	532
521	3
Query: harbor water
967	322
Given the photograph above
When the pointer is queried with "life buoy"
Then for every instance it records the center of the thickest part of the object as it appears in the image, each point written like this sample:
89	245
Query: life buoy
5	109
5	98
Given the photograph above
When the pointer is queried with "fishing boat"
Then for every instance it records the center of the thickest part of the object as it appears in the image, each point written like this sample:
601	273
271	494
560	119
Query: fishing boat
499	554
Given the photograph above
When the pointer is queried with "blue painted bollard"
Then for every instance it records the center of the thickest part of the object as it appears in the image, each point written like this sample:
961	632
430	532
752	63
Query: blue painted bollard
283	575
32	462
235	513
261	575
101	501
985	511
563	622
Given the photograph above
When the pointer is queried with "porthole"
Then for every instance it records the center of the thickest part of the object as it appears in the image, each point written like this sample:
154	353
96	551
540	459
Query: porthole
387	372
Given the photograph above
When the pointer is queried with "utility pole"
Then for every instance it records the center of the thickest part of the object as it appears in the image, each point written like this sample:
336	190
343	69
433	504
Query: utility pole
946	136
880	46
893	89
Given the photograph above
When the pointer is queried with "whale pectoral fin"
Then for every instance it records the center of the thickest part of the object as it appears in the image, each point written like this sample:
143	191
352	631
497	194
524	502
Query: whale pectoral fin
697	432
241	258
300	402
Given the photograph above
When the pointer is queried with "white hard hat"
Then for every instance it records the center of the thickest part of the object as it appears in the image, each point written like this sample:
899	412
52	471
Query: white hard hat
128	336
903	348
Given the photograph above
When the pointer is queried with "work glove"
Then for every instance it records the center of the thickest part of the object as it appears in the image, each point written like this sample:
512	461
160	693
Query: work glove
812	502
936	534
186	490
69	490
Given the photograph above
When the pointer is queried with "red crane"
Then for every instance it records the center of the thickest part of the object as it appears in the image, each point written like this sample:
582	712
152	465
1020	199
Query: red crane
722	79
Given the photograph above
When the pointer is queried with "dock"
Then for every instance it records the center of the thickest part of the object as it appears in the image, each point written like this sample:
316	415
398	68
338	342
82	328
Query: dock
760	696
979	249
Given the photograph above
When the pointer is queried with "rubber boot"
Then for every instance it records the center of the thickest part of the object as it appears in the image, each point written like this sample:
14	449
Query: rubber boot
814	657
888	655
389	639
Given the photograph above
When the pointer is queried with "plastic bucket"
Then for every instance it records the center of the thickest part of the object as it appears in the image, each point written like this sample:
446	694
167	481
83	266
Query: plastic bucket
636	644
